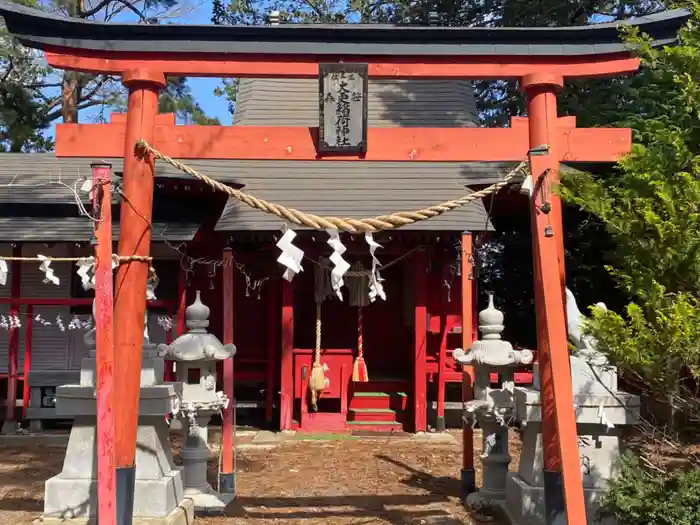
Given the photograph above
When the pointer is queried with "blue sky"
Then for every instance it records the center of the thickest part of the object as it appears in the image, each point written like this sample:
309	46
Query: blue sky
203	88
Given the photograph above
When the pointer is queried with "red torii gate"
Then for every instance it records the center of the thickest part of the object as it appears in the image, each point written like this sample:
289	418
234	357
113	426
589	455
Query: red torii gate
539	59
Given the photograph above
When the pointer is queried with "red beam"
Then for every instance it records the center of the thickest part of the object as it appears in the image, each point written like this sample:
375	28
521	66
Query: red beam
106	482
227	460
384	144
306	66
420	328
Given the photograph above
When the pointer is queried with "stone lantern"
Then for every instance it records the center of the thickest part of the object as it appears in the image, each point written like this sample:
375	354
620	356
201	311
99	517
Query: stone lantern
492	407
197	353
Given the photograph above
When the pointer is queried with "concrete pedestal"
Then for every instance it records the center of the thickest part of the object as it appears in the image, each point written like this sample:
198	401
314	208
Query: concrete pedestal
600	419
159	496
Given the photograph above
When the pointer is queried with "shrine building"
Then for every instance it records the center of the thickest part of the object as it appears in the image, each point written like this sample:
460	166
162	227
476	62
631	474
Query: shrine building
192	223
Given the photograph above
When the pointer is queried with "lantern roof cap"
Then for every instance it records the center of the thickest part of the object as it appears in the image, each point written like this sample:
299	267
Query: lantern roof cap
197	344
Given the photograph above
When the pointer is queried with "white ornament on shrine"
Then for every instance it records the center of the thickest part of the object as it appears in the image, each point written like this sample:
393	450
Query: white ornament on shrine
291	255
340	265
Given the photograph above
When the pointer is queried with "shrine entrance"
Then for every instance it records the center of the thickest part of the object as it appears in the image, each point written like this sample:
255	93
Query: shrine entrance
342	59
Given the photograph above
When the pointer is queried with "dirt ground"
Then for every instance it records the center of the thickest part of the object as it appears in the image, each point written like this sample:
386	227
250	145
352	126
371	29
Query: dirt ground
351	481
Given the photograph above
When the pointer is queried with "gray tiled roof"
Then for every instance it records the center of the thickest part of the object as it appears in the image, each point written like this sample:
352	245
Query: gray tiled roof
360	189
45	178
79	229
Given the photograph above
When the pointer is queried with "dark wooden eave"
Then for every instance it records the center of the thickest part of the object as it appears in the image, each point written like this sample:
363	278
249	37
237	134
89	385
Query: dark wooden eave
41	30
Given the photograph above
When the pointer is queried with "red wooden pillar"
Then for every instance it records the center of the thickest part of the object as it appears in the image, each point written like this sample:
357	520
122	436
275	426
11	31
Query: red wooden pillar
564	499
180	325
272	301
468	337
9	427
227	476
130	297
106	494
287	361
27	359
442	356
420	278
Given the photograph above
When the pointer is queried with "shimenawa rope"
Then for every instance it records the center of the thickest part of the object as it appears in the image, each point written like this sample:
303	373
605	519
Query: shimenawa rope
300	218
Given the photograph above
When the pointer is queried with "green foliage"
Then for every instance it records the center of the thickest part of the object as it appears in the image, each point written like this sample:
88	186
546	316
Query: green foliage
641	497
649	207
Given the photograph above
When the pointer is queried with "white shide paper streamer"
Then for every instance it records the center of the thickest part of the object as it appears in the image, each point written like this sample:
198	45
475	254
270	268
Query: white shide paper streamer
340	265
45	267
376	289
291	255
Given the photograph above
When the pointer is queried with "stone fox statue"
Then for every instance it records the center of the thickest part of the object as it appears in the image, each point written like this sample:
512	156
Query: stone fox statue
574	324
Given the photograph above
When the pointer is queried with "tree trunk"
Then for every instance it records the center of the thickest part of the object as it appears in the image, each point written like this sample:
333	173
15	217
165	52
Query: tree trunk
69	97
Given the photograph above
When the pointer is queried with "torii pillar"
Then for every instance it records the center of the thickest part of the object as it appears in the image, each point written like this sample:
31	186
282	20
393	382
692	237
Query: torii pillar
130	289
562	476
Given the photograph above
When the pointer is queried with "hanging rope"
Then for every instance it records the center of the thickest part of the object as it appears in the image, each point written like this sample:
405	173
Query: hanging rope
316	222
358	286
322	290
359	368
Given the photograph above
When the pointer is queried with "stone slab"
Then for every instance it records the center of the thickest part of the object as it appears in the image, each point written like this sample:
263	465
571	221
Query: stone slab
525	504
620	409
586	379
53	378
76	400
71	497
434	437
210	504
599	449
182	515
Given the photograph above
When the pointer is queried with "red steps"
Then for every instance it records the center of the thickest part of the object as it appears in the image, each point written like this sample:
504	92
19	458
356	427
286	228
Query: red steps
377	406
375	415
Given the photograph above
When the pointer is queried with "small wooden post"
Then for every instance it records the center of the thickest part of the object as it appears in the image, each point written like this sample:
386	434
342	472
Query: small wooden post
27	359
563	488
420	278
227	476
130	297
9	427
104	331
468	337
287	365
272	300
442	356
180	325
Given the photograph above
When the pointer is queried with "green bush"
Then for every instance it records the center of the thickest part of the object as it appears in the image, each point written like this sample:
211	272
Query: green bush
642	497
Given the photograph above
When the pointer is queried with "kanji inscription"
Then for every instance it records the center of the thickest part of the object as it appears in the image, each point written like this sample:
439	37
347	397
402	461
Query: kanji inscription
343	108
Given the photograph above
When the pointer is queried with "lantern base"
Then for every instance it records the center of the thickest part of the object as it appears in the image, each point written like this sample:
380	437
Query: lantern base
208	502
